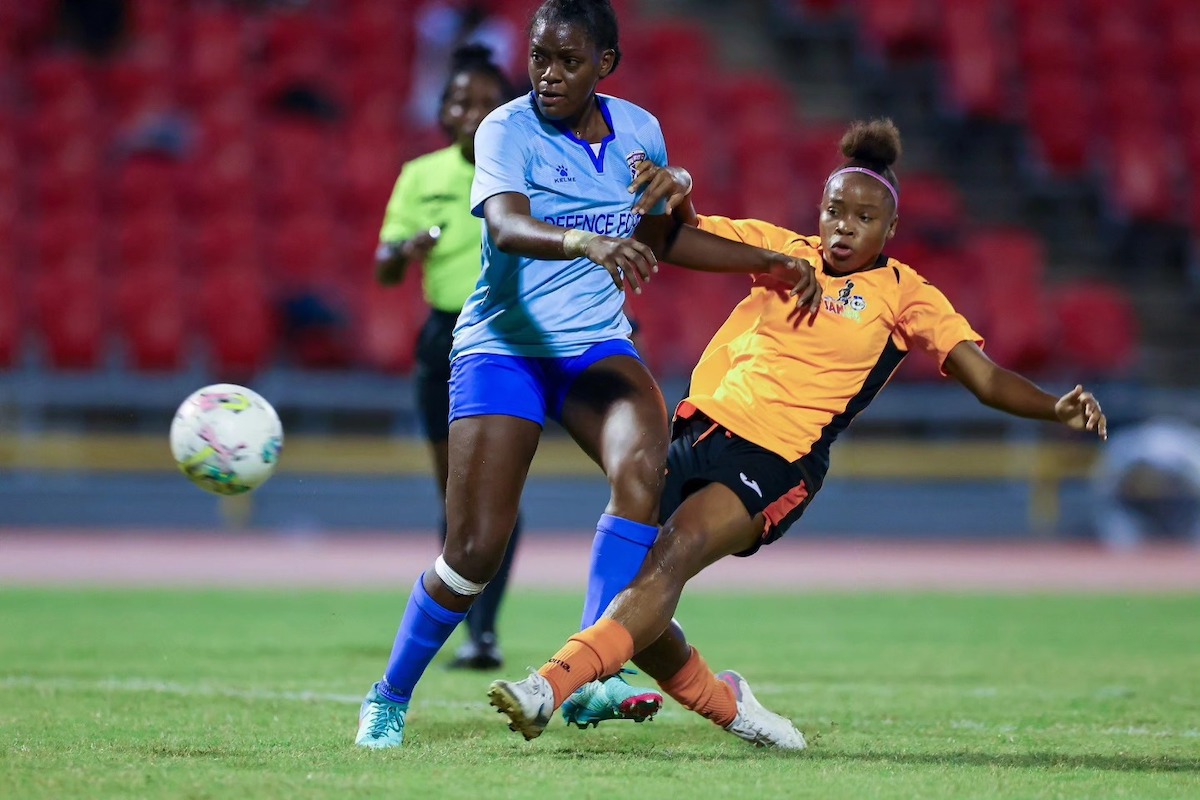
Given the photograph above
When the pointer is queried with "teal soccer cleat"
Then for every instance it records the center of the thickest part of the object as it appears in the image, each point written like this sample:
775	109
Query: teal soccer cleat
611	698
380	721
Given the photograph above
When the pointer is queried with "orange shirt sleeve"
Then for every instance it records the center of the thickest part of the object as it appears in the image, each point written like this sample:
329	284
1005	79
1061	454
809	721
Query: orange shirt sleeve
928	322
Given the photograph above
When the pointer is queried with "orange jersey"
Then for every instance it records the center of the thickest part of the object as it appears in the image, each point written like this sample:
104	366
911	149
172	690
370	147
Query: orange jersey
791	383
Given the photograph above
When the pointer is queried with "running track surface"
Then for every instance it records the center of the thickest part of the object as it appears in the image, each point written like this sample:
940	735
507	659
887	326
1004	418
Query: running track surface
393	561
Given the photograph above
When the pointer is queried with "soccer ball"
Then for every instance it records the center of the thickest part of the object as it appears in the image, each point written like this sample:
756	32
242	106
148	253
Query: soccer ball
226	439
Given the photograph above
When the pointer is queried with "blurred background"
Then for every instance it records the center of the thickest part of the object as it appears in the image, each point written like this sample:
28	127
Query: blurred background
191	192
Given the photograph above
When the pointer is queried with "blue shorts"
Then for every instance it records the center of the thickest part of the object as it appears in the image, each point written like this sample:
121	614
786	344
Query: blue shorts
522	386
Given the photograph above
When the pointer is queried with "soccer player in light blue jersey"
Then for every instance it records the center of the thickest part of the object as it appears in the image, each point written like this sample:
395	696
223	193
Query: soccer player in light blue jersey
567	224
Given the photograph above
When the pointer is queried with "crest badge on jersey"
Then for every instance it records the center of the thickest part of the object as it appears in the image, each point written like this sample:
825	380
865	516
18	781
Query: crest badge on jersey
847	304
633	159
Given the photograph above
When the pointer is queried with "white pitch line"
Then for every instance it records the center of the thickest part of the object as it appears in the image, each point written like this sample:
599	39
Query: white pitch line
197	690
209	690
262	695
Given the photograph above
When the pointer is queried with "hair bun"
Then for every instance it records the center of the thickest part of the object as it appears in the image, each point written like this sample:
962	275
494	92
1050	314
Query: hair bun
470	55
876	142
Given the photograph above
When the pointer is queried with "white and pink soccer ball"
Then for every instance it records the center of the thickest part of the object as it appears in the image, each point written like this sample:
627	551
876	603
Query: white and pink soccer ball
226	439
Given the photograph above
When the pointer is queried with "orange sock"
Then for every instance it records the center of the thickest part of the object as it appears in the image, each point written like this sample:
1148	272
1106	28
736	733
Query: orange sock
590	654
697	688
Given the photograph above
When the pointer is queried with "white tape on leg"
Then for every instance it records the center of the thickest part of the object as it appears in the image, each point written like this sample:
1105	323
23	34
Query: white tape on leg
455	582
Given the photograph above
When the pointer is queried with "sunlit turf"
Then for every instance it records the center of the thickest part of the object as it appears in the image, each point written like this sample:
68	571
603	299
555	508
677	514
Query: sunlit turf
254	694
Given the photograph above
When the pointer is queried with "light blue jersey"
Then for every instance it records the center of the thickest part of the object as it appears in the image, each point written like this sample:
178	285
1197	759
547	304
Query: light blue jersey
530	307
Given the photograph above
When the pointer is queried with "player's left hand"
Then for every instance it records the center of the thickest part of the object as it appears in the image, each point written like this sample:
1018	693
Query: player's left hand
1080	410
673	183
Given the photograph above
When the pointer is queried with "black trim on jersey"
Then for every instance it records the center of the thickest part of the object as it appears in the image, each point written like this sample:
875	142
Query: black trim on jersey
880	262
816	463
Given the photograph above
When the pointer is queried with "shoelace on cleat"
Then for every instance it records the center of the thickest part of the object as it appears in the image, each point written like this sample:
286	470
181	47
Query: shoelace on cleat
388	717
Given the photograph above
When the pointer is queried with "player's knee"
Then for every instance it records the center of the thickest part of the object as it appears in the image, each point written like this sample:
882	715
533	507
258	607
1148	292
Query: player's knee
474	561
637	481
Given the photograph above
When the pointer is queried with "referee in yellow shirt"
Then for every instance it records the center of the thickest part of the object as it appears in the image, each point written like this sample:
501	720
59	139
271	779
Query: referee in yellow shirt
428	220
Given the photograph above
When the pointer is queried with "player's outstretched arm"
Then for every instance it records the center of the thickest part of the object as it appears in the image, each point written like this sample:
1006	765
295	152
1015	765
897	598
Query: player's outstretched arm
1015	394
515	230
676	238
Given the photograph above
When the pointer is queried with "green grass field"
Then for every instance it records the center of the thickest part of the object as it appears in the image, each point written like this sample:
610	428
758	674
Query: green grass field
239	694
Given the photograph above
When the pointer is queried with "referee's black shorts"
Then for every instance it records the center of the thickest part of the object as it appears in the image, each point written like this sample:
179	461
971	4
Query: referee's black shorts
433	374
703	452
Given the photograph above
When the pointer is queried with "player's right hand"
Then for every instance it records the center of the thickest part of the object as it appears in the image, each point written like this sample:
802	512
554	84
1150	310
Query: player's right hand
627	260
802	277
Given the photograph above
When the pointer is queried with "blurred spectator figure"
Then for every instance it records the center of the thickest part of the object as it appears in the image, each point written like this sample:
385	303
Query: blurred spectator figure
167	132
1148	485
306	100
95	26
442	26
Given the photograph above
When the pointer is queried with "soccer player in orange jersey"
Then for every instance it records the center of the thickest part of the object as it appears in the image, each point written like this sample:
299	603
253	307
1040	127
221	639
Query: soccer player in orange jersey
750	447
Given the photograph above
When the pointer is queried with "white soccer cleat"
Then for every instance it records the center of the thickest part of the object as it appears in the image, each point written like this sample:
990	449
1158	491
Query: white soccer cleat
529	704
755	723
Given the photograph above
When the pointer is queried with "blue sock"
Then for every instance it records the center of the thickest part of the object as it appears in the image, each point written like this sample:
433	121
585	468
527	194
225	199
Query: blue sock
425	628
618	551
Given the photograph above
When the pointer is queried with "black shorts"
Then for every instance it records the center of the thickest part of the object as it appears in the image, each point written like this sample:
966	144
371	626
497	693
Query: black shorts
704	452
433	374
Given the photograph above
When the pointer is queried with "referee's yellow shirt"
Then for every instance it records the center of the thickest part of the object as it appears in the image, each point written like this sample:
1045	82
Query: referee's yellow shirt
435	189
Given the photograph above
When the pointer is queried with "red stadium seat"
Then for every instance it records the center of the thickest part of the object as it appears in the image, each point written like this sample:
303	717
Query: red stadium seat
1059	116
1097	329
217	51
146	182
373	28
296	51
392	318
67	179
1183	41
1012	266
1141	179
370	170
151	17
148	242
151	318
65	237
236	319
223	240
1013	261
70	315
1187	104
50	124
681	42
297	161
977	59
60	77
931	206
1124	44
11	323
226	120
140	79
1050	38
1134	99
304	250
220	180
899	28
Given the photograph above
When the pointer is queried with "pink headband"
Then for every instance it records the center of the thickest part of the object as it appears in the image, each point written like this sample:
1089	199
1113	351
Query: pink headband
873	174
